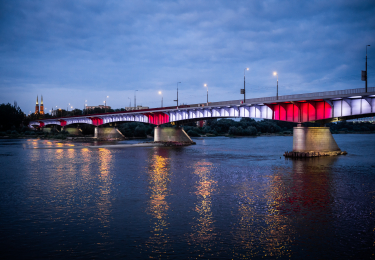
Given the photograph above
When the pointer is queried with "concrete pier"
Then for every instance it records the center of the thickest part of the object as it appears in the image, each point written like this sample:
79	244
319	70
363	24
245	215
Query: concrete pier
312	142
108	133
169	134
96	132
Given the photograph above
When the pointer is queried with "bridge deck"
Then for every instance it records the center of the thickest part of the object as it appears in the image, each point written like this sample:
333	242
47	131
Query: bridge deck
318	106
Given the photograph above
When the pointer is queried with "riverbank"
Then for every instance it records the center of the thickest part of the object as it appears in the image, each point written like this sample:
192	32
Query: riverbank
145	144
93	139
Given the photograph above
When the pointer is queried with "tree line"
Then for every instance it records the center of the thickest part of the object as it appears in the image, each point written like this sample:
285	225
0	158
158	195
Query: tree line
11	117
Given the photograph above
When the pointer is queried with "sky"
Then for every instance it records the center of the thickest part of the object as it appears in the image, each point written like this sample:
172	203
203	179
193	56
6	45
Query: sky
73	51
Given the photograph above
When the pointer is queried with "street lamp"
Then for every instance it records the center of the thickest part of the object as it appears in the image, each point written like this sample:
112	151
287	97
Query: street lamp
177	95
105	102
244	85
277	86
160	93
205	85
135	99
366	67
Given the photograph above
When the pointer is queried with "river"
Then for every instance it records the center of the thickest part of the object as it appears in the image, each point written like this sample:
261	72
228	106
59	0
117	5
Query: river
223	198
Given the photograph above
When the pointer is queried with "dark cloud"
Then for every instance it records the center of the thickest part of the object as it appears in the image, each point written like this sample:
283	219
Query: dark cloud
77	50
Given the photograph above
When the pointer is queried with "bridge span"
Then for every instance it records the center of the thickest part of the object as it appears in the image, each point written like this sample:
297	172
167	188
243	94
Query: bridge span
318	107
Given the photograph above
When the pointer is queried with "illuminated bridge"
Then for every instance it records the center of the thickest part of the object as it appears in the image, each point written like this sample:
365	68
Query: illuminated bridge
321	107
318	107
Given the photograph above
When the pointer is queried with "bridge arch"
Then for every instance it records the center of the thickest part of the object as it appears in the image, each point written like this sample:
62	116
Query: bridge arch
255	111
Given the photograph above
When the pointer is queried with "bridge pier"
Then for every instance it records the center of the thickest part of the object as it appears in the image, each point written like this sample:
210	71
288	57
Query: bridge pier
313	141
96	132
172	135
108	133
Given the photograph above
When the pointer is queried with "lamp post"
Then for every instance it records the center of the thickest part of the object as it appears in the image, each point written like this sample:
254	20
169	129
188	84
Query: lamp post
244	85
135	99
366	67
177	95
105	104
85	107
160	93
205	85
277	85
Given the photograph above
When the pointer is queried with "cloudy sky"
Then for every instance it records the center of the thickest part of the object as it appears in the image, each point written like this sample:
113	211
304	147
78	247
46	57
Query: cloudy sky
72	51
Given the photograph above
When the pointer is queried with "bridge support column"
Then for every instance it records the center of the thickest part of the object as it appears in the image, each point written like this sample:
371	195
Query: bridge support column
313	141
96	132
174	135
108	133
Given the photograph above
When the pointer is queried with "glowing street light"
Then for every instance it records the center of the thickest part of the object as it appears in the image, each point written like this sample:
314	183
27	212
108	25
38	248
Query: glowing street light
160	93
177	95
105	102
277	85
135	99
205	85
244	85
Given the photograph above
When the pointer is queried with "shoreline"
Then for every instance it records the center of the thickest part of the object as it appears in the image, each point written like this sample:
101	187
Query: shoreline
93	139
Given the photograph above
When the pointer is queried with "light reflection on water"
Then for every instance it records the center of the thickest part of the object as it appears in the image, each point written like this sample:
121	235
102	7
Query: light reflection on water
218	199
105	185
159	172
203	225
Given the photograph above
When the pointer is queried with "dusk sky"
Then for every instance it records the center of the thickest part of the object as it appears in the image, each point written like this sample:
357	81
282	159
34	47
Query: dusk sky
72	51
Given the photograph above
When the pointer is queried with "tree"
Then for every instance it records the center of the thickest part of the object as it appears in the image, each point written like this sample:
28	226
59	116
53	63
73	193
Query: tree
10	116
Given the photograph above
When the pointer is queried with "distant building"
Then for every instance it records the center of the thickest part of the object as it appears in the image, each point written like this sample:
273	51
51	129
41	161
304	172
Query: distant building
58	112
37	106
135	108
39	109
41	105
100	107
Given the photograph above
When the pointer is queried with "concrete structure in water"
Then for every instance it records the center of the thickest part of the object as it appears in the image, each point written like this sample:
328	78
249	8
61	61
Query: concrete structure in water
319	139
313	141
108	133
169	134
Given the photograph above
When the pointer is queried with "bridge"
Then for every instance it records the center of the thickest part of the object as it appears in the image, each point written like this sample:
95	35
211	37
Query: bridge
318	107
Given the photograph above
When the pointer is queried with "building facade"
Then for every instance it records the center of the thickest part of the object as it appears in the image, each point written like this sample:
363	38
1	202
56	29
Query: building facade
41	111
37	106
100	107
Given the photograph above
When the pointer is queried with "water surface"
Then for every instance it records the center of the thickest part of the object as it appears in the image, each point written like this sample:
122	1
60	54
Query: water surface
222	198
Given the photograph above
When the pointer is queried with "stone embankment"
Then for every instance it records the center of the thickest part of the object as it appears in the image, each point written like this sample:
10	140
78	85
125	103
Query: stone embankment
313	154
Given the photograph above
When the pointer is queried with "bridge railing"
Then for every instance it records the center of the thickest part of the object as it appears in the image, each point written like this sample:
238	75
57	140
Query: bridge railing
325	94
